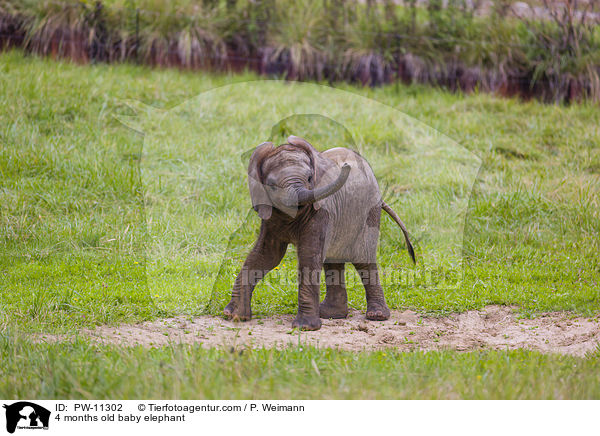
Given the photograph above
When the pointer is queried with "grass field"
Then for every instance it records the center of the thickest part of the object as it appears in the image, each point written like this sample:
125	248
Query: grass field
83	371
101	225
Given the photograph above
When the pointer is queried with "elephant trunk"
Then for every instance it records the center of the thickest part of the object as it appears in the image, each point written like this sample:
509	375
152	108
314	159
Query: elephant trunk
307	196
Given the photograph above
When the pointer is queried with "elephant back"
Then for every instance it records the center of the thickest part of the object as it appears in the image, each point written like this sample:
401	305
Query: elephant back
354	210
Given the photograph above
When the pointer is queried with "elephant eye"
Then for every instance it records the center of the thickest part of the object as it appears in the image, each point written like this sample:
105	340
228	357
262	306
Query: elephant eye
309	179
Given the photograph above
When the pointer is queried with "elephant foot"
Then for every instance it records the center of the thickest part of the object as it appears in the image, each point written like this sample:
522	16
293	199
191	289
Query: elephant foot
304	322
378	312
234	313
330	311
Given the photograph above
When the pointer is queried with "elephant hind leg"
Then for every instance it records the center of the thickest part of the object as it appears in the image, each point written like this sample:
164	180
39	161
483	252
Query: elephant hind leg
377	309
335	305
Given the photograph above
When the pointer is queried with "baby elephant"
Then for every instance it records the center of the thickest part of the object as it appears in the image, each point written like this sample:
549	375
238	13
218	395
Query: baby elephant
328	205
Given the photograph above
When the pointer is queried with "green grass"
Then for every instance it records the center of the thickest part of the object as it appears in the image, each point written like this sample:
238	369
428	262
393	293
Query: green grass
79	370
101	225
87	239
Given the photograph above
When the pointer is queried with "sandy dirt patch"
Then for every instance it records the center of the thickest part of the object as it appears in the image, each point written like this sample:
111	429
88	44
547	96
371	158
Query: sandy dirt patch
495	327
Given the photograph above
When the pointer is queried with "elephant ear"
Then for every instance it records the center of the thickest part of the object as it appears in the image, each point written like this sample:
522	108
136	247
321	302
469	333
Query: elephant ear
313	154
258	195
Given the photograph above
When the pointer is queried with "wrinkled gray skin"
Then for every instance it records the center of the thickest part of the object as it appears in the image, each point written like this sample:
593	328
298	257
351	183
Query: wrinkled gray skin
328	205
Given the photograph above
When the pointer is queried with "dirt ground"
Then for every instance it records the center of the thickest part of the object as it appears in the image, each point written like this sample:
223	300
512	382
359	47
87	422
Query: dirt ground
495	327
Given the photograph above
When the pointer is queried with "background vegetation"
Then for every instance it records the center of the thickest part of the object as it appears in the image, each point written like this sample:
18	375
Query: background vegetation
556	58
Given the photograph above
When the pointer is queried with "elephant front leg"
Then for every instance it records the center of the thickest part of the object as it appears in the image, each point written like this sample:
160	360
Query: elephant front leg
266	255
335	305
310	263
377	309
308	297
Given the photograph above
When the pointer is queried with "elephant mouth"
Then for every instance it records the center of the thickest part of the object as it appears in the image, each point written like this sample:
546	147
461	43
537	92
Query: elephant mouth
304	196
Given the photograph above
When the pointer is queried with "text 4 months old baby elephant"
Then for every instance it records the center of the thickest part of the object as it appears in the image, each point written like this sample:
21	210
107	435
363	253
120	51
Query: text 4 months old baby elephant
328	205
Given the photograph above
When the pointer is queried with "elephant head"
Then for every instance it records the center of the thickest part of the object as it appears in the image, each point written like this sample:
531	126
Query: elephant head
291	176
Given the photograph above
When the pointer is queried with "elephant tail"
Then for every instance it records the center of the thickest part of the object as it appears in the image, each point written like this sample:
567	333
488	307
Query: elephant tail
396	218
